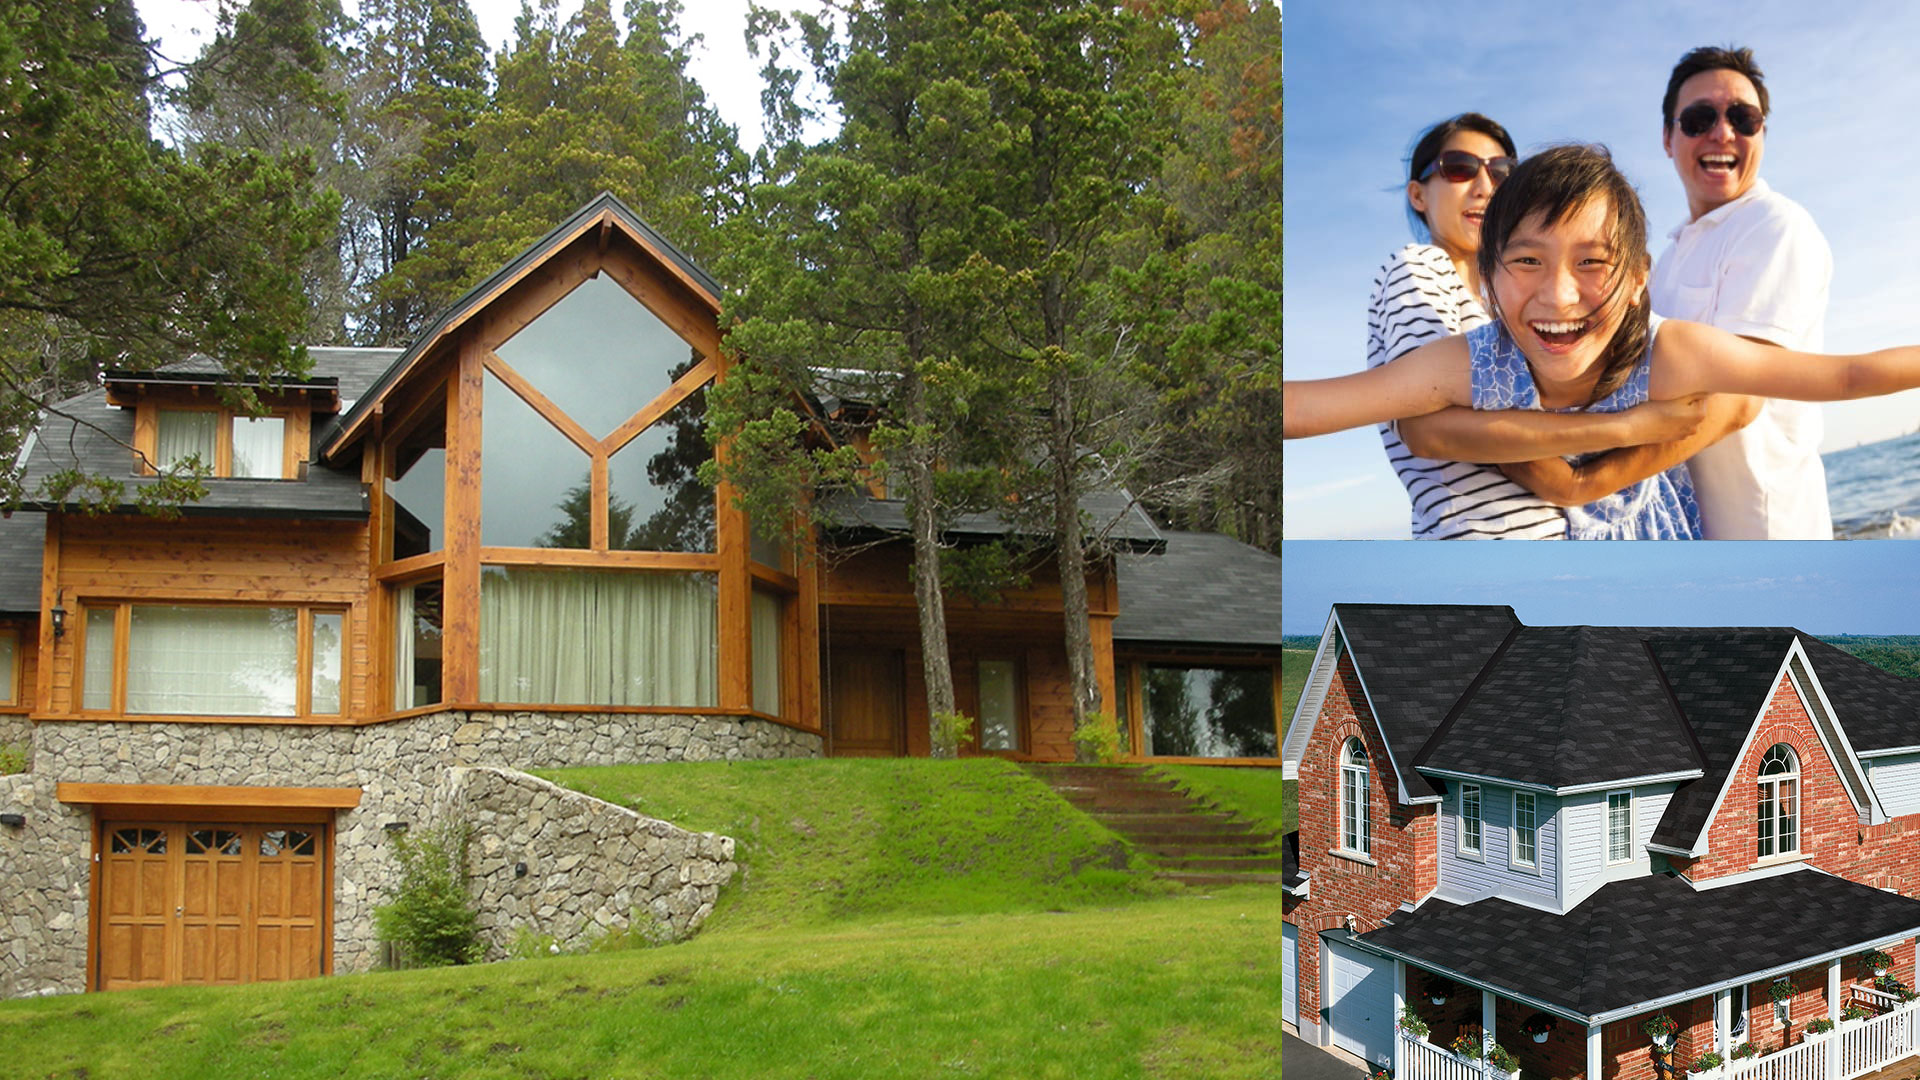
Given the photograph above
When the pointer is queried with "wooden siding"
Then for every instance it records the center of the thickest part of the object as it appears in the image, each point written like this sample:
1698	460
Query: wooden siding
139	559
1584	848
1492	873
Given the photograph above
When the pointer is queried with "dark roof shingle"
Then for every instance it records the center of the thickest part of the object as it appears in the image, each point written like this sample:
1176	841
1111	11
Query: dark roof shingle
1205	589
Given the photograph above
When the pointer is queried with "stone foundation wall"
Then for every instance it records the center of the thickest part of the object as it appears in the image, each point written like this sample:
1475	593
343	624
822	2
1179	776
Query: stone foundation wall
397	766
548	861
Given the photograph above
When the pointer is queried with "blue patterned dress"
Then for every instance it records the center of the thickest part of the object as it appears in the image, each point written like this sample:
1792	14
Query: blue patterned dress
1661	507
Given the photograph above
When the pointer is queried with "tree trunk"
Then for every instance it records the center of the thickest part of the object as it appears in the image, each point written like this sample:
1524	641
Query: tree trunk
929	601
1071	557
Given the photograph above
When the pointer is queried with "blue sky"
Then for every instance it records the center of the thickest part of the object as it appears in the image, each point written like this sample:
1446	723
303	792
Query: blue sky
1820	586
1363	78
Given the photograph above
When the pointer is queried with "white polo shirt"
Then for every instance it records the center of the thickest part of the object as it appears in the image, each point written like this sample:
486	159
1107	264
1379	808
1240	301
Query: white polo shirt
1757	267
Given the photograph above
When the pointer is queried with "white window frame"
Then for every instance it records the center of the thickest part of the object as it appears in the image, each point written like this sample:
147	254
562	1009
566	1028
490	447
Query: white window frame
1479	820
1767	793
1358	776
1532	832
1607	833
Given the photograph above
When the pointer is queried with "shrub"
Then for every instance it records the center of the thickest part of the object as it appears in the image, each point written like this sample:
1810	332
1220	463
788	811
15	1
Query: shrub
949	732
1502	1058
13	759
1099	737
1745	1050
1411	1023
1709	1060
431	917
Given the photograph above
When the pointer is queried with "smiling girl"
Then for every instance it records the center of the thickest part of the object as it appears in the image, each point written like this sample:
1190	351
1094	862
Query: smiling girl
1564	259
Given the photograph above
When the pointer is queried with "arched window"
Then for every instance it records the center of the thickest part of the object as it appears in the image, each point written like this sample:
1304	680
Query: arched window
1356	825
1779	829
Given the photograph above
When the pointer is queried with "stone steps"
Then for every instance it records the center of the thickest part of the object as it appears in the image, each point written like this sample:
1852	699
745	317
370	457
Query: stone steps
1186	839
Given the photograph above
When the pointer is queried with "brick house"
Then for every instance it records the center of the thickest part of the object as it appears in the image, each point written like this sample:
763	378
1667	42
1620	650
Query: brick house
1543	837
492	549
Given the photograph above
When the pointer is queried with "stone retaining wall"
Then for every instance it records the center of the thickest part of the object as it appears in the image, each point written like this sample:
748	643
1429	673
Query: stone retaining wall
548	861
397	765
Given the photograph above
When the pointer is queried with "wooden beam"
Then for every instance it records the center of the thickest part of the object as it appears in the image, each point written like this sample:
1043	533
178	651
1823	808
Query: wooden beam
599	486
695	377
736	600
337	798
673	306
51	656
1101	629
460	641
541	404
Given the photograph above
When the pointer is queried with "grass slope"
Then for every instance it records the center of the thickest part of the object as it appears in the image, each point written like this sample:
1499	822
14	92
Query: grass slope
1186	987
826	841
1254	793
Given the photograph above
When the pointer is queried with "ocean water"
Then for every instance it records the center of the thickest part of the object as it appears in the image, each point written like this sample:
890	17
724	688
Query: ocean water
1874	490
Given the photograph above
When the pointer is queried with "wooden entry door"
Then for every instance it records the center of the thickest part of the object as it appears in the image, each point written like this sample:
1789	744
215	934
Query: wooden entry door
185	903
867	702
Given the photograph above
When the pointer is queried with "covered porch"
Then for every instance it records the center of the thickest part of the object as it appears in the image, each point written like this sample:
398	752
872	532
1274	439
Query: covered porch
1802	976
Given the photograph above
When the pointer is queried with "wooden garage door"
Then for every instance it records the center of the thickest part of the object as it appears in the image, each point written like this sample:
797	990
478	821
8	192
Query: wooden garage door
210	903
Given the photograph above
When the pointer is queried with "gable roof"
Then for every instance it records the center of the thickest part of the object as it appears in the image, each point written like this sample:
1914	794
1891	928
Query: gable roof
1564	706
1205	589
1641	943
605	211
1881	709
1415	661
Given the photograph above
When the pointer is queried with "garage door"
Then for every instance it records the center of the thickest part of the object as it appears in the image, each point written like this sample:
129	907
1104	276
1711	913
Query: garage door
1360	1005
184	903
1290	975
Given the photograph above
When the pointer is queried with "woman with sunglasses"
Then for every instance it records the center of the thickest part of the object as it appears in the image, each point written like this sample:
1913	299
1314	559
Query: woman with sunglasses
1428	291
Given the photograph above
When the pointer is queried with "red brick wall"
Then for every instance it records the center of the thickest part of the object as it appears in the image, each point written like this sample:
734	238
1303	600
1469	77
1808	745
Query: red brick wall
1405	838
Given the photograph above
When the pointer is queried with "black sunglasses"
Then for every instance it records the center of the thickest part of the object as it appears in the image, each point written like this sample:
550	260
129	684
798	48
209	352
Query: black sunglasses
1461	167
1698	119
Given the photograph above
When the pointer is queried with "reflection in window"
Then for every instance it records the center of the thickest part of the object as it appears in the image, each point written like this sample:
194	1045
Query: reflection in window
769	548
766	652
598	354
417	621
9	649
324	686
535	484
213	661
1209	712
657	502
259	447
578	637
999	705
419	487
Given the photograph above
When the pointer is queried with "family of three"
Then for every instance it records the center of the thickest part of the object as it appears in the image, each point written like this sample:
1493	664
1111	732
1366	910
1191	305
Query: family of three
1535	377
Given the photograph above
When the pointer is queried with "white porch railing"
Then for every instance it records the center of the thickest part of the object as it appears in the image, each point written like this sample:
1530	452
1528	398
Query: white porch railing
1808	1061
1877	998
1868	1045
1425	1061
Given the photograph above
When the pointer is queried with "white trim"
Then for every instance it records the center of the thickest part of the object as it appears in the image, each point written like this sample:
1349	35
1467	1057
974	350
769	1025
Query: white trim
1300	734
1513	834
1606	830
1665	850
1778	869
1889	752
1860	786
1460	821
1571	789
1362	798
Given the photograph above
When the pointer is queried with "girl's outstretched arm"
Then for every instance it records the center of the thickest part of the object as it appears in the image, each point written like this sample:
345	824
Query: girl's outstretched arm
1690	358
1502	436
1425	380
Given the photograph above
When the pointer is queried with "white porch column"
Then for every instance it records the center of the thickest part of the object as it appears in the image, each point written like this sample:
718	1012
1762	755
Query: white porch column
1486	1033
1722	1022
1593	1053
1399	1003
1833	1014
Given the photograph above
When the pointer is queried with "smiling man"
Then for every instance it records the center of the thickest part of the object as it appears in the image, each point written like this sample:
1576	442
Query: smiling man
1750	261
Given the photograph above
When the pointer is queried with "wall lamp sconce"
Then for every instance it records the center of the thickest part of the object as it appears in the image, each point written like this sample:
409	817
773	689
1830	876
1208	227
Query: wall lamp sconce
15	820
396	826
59	617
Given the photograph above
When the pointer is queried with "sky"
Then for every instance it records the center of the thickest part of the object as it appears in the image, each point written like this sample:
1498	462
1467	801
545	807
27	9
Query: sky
719	63
1359	87
1820	586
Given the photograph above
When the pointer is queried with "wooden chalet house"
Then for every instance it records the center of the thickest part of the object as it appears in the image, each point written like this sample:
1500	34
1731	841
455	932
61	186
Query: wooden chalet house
1560	839
491	548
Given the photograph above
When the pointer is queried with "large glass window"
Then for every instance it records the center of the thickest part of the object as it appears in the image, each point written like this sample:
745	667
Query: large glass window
184	434
536	486
259	446
1209	712
999	705
1356	814
9	664
96	672
767	609
417	482
1779	824
417	620
579	637
598	354
205	660
323	686
657	502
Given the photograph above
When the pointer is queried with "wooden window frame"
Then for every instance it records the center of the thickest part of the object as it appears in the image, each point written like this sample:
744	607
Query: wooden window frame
1479	819
294	436
1532	832
303	653
1607	830
1021	739
1360	777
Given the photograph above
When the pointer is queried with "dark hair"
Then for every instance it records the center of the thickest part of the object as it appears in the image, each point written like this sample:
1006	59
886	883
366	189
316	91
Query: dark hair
1435	138
1713	58
1556	183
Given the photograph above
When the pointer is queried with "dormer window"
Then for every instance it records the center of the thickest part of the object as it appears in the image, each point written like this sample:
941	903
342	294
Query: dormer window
229	444
1356	824
1779	817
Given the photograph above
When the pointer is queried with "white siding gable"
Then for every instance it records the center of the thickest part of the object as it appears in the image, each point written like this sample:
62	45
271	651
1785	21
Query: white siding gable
1466	878
1896	779
1584	839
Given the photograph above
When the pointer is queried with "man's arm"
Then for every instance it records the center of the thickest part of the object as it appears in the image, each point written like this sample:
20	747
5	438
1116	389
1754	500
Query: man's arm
1568	485
1520	435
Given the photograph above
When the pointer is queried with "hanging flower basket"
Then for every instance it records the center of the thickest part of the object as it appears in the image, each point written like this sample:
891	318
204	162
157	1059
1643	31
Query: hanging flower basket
1782	991
1879	961
1439	989
1661	1029
1539	1025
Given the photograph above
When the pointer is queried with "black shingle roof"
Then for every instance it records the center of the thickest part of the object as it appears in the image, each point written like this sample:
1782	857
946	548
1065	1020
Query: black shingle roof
88	434
22	542
1648	938
1205	589
1416	662
1110	512
1878	709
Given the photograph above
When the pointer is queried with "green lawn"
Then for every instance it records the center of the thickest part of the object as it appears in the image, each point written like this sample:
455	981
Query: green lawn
1180	987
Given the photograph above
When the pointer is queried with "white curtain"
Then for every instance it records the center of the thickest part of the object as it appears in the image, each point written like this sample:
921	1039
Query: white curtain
213	661
999	705
403	635
259	446
96	679
6	666
582	637
184	433
324	689
766	652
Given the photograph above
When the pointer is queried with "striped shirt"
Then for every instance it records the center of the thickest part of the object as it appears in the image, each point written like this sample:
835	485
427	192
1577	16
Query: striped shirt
1417	298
